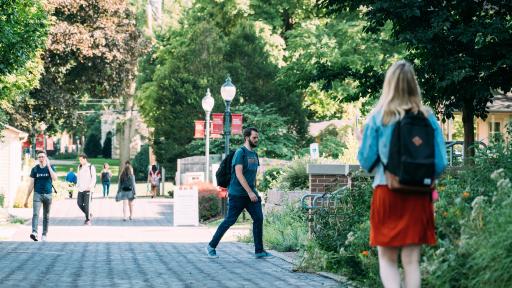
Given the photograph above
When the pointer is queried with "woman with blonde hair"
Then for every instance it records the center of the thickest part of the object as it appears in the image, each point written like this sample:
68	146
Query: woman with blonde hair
400	222
126	189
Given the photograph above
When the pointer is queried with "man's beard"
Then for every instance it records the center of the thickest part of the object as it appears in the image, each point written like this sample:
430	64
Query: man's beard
252	144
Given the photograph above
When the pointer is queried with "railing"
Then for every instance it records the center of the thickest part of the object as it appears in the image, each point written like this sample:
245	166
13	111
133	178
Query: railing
453	154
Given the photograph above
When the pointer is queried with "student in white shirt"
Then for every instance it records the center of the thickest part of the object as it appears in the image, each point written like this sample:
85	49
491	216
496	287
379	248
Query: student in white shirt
86	181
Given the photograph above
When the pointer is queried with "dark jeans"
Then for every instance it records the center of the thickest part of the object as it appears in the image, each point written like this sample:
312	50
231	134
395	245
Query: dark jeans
46	201
106	188
83	200
237	204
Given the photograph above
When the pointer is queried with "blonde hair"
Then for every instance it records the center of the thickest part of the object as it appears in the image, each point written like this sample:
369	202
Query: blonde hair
400	93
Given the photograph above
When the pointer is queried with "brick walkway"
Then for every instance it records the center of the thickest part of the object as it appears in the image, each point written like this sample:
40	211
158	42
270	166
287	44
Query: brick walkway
145	252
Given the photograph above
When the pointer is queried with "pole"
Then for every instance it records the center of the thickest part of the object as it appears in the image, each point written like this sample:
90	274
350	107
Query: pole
207	151
227	133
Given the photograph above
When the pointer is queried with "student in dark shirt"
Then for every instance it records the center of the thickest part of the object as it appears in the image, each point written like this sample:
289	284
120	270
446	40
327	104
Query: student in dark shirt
41	178
243	195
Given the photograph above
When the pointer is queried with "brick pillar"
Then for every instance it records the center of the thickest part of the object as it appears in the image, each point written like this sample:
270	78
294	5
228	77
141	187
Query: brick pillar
327	177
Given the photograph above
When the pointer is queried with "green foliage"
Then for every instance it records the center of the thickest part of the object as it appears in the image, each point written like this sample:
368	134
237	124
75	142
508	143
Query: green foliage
140	163
92	147
294	176
286	230
330	143
197	55
2	197
456	47
106	151
209	207
269	177
92	52
23	31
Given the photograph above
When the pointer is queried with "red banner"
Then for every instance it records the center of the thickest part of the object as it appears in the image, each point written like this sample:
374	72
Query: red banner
40	142
49	143
213	136
26	144
217	123
236	123
199	129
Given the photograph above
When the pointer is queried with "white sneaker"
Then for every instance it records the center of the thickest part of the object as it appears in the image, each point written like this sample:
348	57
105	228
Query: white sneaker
43	238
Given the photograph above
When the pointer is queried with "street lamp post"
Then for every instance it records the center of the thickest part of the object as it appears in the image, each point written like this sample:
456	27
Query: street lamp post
227	91
207	104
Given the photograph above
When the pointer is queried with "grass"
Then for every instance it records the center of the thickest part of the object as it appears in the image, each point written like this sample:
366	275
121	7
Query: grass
63	169
17	220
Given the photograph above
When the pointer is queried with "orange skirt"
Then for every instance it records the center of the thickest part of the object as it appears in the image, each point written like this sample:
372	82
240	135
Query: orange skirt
398	219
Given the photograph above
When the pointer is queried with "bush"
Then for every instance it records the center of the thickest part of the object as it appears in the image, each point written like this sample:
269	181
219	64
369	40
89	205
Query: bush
140	163
107	146
1	200
294	176
92	146
209	203
269	177
286	230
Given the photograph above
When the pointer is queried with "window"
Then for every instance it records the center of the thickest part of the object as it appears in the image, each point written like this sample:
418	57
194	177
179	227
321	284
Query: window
494	130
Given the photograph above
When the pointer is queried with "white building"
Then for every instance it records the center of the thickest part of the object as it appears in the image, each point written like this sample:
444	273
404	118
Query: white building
10	163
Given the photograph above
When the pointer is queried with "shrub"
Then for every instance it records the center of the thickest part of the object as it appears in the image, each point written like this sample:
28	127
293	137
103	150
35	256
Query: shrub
209	203
1	200
269	177
286	230
294	176
140	163
92	147
106	151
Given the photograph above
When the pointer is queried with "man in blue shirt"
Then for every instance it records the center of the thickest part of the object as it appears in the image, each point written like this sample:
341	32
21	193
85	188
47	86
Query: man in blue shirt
71	179
41	178
243	195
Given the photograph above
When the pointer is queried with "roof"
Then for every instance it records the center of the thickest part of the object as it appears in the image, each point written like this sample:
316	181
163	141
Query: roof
501	103
19	132
315	128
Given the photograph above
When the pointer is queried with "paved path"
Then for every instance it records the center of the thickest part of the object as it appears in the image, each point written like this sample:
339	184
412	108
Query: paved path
145	252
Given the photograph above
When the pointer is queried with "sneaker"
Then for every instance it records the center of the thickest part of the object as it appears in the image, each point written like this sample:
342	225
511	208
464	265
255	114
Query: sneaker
43	238
211	252
263	254
87	222
33	236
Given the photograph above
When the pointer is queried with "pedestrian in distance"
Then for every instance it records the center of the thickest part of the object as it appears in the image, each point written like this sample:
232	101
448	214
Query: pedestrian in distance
403	144
71	179
41	177
242	194
86	183
106	175
154	177
126	189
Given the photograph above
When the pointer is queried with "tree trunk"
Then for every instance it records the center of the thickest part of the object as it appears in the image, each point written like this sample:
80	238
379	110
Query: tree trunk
124	145
468	115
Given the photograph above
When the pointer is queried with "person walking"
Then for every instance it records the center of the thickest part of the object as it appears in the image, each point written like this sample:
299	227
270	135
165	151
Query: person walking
401	217
71	180
242	195
86	183
154	177
106	175
126	189
41	177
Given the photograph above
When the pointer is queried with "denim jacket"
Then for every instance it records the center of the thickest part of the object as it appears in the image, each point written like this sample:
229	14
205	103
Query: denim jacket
376	139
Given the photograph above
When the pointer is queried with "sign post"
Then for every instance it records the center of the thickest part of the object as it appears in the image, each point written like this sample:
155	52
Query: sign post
186	206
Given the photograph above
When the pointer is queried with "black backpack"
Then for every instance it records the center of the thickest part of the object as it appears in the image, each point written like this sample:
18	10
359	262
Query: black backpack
411	159
223	174
126	184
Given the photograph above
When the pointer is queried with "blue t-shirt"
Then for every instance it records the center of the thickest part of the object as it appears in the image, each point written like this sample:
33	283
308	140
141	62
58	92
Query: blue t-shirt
71	177
250	162
42	179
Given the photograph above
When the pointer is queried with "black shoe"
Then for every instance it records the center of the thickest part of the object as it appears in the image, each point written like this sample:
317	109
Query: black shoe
33	236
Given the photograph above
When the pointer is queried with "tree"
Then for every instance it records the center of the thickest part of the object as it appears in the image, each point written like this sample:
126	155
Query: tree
92	52
460	49
276	138
141	163
23	32
106	151
197	56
